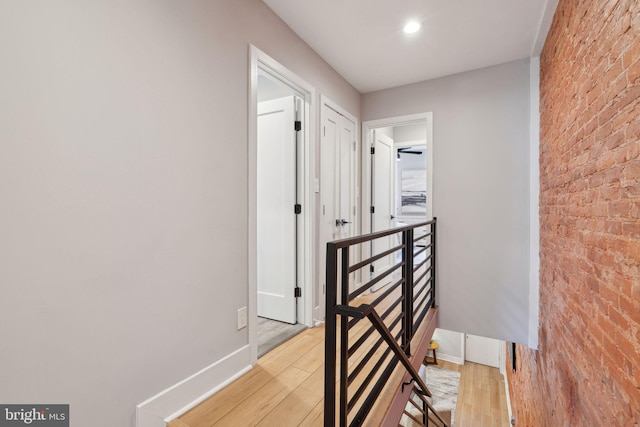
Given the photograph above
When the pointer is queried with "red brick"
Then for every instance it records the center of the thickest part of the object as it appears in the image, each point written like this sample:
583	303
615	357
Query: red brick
613	72
632	171
627	152
633	72
620	46
617	244
631	229
619	320
619	209
630	309
596	180
632	132
628	98
610	193
609	295
631	191
613	227
606	160
636	294
614	140
613	175
608	7
589	225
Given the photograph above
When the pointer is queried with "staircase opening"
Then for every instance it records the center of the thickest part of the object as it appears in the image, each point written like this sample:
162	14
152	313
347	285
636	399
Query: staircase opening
373	350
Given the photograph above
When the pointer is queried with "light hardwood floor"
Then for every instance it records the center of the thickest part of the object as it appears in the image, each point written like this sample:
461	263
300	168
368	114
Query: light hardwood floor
482	401
286	389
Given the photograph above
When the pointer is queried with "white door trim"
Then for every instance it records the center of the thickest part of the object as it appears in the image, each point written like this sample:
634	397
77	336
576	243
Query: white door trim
319	306
370	125
261	61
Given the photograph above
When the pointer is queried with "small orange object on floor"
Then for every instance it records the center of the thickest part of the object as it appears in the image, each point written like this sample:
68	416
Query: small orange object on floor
433	347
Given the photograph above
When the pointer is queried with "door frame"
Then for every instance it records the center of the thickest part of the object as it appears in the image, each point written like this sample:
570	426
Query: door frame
367	128
260	61
320	306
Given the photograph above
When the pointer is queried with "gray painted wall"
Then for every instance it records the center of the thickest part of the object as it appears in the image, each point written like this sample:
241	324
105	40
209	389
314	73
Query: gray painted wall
415	132
123	183
481	193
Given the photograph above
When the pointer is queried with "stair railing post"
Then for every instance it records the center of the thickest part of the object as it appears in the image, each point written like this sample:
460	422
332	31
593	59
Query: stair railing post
433	262
344	338
407	290
425	414
330	337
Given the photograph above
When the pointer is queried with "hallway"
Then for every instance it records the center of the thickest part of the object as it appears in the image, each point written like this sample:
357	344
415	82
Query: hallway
286	389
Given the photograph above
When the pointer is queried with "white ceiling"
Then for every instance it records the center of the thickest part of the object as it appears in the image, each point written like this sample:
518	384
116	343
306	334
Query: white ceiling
364	42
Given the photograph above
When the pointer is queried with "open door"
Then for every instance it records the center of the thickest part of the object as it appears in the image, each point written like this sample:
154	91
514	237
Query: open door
276	231
382	197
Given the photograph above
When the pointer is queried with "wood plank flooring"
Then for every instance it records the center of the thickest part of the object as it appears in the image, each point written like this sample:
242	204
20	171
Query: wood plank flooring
286	388
482	401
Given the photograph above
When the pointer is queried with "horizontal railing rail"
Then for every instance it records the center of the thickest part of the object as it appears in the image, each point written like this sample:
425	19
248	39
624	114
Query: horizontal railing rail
358	361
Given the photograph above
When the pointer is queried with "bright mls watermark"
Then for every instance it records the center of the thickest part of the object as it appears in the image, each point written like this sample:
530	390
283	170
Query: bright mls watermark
34	415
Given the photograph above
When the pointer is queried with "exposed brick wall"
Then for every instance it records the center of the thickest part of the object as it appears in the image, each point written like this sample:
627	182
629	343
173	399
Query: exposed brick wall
587	371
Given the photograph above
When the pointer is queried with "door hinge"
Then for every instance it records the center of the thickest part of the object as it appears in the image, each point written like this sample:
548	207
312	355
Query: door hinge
373	150
297	292
297	125
354	146
371	268
297	209
372	210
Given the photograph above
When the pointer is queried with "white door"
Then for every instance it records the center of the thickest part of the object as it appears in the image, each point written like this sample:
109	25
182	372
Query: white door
485	351
337	186
275	210
382	200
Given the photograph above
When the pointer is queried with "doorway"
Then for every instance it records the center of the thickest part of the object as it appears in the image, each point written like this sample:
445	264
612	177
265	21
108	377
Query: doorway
277	194
483	350
279	240
397	180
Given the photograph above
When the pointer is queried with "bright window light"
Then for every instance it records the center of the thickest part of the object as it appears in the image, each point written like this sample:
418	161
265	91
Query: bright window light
412	27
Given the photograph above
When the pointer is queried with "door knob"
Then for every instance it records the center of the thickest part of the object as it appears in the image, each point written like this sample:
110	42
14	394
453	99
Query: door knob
393	217
342	222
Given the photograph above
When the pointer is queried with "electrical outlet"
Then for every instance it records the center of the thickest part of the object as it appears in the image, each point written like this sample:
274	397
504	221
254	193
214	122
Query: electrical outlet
242	318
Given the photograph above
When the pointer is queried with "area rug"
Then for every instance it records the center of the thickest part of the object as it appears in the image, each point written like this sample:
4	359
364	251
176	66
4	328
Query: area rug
444	385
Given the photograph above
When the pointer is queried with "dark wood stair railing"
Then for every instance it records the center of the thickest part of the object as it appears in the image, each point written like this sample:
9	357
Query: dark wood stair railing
358	371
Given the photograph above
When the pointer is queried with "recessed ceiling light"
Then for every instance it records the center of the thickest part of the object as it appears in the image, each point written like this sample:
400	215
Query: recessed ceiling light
412	27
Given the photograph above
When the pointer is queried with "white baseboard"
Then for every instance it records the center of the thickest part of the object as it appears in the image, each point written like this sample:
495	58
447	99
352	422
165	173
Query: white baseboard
506	392
452	359
179	398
